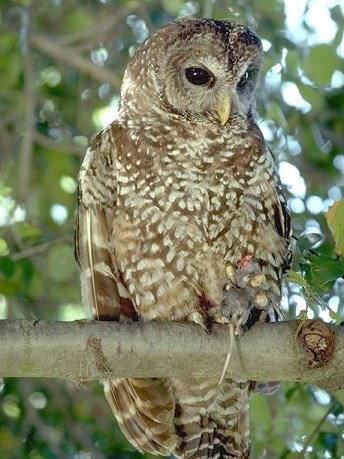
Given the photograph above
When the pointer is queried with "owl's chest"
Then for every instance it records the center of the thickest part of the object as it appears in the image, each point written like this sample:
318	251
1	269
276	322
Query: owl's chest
201	193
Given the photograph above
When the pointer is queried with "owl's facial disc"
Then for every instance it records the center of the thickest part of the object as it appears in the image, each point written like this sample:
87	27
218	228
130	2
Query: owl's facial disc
202	70
200	76
197	84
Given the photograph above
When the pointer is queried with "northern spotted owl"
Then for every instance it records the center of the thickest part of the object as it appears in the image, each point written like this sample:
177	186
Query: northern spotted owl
181	217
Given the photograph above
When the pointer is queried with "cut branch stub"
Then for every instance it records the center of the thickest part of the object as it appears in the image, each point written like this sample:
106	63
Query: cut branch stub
318	340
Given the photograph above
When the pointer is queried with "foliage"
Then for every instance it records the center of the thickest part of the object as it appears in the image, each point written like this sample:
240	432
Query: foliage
60	71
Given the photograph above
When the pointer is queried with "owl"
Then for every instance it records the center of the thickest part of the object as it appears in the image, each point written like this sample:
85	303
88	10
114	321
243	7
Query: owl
181	217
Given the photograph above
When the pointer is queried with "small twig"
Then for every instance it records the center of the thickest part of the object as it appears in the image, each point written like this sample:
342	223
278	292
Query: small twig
26	149
36	249
66	55
103	26
316	430
82	437
35	420
335	138
50	144
314	174
208	7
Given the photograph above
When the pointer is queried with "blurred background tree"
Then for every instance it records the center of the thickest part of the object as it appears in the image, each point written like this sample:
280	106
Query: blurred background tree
61	63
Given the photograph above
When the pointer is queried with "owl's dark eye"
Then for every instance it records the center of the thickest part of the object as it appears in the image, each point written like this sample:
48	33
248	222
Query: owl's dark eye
244	79
198	75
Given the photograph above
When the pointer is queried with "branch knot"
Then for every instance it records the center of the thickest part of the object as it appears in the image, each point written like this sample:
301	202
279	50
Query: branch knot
318	340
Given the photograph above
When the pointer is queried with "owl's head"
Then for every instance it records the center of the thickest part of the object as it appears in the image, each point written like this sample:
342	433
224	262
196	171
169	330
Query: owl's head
196	68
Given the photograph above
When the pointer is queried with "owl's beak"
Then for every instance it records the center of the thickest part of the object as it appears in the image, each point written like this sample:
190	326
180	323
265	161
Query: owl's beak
223	109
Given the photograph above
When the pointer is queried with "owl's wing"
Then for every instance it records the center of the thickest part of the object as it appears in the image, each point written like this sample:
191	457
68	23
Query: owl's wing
102	291
144	408
284	229
282	219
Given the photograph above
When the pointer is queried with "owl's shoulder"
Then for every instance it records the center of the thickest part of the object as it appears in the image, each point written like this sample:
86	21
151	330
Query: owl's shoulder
97	176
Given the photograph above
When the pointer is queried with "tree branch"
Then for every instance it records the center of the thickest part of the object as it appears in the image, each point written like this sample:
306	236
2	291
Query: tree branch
68	56
50	144
33	250
89	350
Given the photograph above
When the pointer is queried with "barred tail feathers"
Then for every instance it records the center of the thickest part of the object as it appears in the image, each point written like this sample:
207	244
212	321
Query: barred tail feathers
144	409
212	421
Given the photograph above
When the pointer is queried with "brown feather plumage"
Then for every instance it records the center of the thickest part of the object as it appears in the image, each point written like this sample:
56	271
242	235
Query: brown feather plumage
181	216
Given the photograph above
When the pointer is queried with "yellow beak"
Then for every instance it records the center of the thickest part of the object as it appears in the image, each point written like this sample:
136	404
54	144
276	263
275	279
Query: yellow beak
223	109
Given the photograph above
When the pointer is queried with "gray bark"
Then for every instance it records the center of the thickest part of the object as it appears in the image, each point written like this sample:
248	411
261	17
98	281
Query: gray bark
89	350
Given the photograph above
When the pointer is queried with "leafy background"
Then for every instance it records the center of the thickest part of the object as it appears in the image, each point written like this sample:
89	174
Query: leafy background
61	63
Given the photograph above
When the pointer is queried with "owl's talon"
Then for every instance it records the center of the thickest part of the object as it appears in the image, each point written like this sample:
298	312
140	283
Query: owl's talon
257	280
198	319
221	320
217	317
230	271
261	300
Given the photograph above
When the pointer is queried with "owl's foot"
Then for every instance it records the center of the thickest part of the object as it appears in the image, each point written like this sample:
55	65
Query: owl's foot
245	297
215	316
218	318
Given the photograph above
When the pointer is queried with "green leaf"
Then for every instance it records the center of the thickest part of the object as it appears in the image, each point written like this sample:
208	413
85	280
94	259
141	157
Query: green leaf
7	266
3	247
324	270
320	63
302	315
28	231
78	20
7	441
27	269
308	241
335	316
60	263
297	278
311	95
328	440
339	396
261	409
292	63
335	220
9	287
35	288
173	6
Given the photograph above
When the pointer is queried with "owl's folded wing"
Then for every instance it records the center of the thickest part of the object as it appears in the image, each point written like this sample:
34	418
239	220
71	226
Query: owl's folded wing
144	408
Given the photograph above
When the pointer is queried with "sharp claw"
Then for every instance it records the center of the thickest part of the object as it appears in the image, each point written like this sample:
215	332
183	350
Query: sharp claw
198	319
257	280
261	300
221	320
230	271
